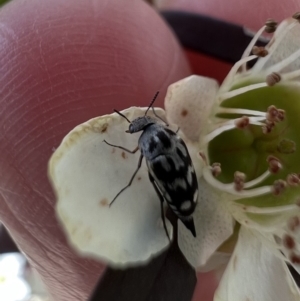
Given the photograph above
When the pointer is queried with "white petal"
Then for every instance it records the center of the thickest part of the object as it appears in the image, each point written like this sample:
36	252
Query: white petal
188	104
254	273
217	261
213	224
87	174
282	222
193	148
285	42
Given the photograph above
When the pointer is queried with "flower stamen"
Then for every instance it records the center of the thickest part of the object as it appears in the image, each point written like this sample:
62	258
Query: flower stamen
236	188
266	121
278	187
242	123
293	179
234	70
239	91
216	169
272	79
274	164
260	51
258	180
275	43
270	26
239	180
239	123
223	110
274	114
296	16
251	46
240	187
268	127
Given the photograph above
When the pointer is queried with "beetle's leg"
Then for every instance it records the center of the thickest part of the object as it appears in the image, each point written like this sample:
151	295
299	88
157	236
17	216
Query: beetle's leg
161	198
123	148
131	180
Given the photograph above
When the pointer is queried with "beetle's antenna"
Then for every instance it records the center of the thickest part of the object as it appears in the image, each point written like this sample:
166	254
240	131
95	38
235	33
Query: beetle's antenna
159	117
152	102
150	106
122	115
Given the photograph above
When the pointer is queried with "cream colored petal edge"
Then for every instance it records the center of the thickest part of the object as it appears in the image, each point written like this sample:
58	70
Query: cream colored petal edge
188	104
213	224
86	174
254	273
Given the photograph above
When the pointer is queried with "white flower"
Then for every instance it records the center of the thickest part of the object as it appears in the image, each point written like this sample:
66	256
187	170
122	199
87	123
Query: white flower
248	134
12	285
243	140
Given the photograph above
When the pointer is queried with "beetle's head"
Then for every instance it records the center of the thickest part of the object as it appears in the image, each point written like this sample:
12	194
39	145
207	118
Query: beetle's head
140	123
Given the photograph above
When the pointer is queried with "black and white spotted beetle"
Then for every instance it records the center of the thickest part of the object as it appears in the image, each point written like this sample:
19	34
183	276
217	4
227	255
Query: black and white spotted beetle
170	167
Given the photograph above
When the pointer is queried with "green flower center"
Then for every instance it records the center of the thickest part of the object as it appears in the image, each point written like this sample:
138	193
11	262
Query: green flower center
249	149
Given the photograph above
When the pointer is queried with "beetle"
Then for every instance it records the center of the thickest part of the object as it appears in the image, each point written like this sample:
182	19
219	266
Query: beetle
170	167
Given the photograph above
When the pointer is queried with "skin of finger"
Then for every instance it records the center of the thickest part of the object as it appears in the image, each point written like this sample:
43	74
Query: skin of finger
252	14
62	63
206	286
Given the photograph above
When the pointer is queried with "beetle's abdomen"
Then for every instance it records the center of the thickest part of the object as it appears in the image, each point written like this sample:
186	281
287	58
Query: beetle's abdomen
177	182
170	165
